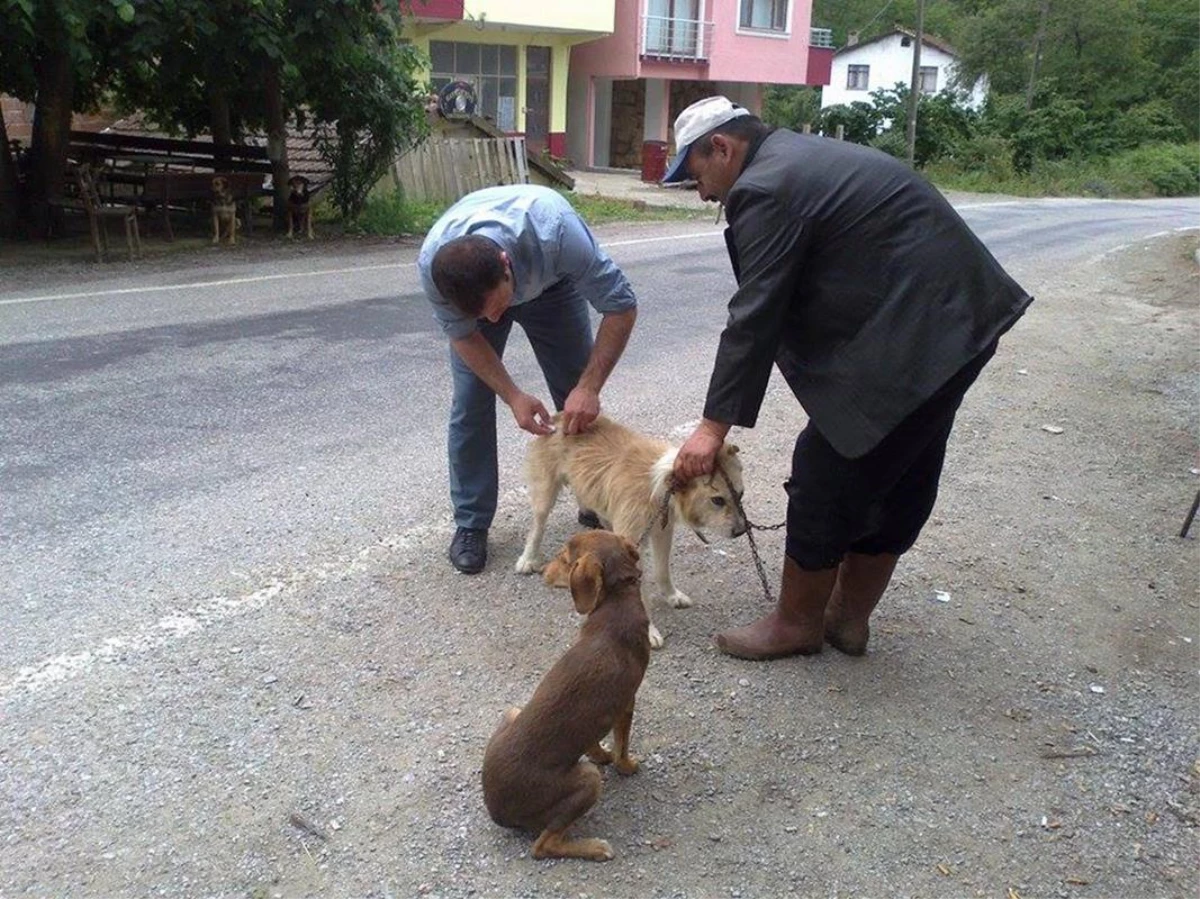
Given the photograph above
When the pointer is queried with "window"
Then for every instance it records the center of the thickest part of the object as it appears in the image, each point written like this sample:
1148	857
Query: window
673	28
492	68
858	78
927	79
764	15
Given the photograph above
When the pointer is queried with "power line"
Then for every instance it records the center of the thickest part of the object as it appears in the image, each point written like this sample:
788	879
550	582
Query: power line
877	15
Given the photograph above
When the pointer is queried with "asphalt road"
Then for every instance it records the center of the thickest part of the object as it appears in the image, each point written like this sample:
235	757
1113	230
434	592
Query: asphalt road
186	444
205	432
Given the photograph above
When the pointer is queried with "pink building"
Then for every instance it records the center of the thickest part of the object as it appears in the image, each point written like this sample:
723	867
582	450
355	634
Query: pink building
626	89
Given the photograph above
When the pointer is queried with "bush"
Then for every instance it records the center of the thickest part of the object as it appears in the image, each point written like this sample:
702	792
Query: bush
860	121
791	106
893	142
987	153
1153	122
1169	170
943	124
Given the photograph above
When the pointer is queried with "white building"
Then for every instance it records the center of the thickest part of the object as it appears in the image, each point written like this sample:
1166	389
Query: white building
859	68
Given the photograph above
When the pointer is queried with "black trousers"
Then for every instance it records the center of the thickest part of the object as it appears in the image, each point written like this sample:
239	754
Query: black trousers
879	502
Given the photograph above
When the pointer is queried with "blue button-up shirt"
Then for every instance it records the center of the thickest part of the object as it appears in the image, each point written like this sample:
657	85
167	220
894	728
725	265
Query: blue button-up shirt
546	242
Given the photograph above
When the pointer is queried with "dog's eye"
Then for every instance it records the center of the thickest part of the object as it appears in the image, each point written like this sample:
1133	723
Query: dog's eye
718	501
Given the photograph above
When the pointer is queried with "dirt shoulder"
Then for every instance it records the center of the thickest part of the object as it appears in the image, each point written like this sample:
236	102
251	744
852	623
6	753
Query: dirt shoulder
1025	724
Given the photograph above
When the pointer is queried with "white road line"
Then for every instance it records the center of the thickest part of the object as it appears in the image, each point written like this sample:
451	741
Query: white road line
1154	236
31	679
629	243
205	284
995	205
320	273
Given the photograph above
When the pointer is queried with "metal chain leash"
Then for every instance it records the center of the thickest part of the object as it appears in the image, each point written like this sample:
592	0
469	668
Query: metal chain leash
751	527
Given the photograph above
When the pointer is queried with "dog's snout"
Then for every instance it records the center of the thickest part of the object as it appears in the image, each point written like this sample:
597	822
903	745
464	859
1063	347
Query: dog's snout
739	526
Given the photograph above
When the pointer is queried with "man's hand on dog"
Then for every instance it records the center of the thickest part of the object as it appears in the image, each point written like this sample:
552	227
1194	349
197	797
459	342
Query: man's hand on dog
698	454
580	410
531	415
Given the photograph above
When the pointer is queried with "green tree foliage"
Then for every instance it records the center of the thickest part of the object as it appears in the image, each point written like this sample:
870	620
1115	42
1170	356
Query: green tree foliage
791	106
944	123
226	67
858	122
1068	79
57	54
1183	91
363	97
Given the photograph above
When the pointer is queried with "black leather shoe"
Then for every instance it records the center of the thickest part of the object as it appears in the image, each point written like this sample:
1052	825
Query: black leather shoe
589	519
468	550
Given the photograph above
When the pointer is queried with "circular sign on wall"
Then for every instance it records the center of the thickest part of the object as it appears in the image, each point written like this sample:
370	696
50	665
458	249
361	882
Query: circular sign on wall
457	100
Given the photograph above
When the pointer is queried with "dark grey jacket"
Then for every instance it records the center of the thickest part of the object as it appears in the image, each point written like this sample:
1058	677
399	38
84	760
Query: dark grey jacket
859	280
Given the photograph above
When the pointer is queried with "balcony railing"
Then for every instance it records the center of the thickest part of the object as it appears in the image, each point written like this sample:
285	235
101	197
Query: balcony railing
820	37
682	40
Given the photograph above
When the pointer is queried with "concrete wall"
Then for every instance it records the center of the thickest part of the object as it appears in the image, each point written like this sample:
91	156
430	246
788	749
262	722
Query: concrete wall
758	56
734	54
541	15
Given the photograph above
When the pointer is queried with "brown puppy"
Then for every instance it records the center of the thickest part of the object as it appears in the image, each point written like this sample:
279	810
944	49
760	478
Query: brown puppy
533	776
625	477
224	210
299	204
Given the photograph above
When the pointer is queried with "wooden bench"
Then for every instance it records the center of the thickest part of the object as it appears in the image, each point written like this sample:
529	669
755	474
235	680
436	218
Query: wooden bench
161	189
106	145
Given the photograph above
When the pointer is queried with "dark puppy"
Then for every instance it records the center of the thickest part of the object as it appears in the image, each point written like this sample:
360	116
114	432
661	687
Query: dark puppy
224	210
533	776
299	205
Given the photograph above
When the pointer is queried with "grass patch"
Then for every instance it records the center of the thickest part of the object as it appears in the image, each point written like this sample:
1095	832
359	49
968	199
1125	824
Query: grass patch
1156	170
596	210
390	214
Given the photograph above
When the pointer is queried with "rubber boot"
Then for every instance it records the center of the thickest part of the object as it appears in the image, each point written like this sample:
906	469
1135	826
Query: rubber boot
795	627
861	582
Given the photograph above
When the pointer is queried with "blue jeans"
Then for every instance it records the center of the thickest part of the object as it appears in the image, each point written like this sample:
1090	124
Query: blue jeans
560	333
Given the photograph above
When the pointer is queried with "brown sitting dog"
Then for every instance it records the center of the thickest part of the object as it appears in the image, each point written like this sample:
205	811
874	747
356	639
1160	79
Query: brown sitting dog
533	774
224	210
299	205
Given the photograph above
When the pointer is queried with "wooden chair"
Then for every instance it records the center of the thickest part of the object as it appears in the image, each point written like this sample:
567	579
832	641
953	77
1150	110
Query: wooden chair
99	212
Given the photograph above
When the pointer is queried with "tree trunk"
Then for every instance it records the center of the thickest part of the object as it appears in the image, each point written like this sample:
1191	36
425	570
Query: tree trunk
277	141
9	193
51	133
222	127
1038	39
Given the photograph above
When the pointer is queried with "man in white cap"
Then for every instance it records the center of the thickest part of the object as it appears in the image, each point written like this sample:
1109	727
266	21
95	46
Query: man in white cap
880	307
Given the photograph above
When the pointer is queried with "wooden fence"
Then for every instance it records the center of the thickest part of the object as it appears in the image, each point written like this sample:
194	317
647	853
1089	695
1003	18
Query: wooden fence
442	170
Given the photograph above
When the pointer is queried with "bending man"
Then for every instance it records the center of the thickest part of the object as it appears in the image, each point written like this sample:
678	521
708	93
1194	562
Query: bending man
517	254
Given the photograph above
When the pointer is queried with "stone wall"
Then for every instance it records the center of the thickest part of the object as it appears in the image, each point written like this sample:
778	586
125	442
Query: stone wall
628	124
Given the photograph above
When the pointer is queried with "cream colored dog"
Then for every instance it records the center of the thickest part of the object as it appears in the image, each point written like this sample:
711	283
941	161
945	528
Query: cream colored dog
625	477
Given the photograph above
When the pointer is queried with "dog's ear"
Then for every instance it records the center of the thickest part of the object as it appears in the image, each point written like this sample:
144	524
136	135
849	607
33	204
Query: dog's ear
621	562
731	449
587	583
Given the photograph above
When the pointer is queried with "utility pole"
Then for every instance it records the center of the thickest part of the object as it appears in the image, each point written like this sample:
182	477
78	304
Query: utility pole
914	89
